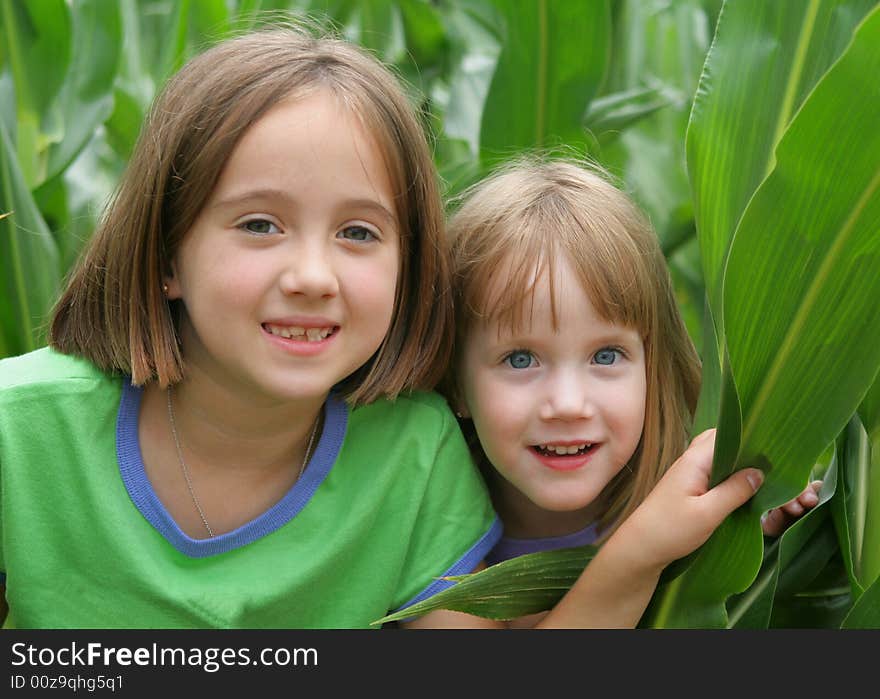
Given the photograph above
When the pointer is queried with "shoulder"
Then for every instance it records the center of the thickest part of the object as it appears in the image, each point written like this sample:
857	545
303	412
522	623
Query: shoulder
45	371
425	411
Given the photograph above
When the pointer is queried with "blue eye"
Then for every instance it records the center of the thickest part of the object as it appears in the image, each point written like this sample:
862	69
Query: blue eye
359	234
519	359
259	226
606	356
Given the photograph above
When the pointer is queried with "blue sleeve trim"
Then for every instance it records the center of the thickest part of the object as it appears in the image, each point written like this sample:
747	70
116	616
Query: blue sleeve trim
2	578
465	564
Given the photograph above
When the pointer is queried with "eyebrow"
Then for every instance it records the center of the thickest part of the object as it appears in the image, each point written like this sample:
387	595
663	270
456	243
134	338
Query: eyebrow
274	193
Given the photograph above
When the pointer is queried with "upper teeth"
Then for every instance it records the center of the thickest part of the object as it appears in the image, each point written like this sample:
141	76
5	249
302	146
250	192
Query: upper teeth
310	334
563	450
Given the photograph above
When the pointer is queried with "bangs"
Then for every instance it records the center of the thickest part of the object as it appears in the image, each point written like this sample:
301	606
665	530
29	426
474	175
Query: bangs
498	284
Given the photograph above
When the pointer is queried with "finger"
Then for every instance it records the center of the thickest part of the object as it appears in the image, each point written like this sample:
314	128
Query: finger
705	435
774	523
697	458
793	508
733	492
809	498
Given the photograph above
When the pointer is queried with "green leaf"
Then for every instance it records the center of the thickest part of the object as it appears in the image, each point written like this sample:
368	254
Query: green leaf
865	613
86	98
855	509
800	290
765	59
791	562
660	45
607	116
869	410
708	405
38	48
475	48
28	260
510	589
553	61
800	315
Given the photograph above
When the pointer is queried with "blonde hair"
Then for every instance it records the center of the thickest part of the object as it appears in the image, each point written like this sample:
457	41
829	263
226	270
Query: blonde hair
515	223
113	311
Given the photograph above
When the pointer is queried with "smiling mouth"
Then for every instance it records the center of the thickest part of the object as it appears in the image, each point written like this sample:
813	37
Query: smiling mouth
557	450
294	332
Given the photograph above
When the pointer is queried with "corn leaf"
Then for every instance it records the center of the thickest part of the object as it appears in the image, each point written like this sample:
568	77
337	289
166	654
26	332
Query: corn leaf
765	59
865	614
553	61
855	510
791	562
510	589
86	98
28	259
800	316
37	38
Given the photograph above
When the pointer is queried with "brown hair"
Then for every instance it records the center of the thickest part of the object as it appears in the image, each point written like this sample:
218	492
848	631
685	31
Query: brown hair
113	311
515	223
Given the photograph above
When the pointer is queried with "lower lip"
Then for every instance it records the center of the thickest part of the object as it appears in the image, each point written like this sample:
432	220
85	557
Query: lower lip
300	348
565	463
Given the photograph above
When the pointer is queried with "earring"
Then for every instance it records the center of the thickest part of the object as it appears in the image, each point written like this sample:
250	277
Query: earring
165	289
458	414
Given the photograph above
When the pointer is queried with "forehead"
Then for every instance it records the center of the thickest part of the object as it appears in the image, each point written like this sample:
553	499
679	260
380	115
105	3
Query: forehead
312	142
525	295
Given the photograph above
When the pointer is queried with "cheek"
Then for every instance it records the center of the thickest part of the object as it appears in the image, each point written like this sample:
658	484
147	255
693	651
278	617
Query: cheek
499	416
632	417
372	288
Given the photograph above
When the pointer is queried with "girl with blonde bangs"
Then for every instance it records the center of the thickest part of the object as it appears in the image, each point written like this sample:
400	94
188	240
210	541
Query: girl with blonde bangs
574	377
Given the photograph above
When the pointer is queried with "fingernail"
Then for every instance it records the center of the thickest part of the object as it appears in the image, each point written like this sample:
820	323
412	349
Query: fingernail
755	477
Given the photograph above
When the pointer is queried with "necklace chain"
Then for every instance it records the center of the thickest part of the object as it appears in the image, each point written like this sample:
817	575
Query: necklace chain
189	485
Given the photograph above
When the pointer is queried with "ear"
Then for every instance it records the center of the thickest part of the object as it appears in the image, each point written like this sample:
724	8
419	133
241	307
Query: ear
460	407
171	284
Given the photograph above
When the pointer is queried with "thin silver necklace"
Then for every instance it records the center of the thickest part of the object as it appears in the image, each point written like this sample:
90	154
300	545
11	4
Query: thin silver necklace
189	485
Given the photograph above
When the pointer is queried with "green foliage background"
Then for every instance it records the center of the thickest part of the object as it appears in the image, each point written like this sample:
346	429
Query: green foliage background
747	130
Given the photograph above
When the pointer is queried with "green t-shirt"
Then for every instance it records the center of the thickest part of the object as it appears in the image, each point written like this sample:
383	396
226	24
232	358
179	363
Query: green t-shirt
389	503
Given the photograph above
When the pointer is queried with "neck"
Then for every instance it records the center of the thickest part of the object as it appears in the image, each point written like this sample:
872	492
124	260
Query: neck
523	519
231	429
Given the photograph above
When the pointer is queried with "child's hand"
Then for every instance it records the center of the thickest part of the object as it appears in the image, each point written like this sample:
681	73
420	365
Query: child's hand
777	520
680	514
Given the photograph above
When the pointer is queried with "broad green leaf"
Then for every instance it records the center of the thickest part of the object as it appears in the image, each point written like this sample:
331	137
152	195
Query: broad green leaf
607	116
708	405
37	37
474	47
28	260
800	314
800	290
86	98
553	61
172	47
765	59
659	45
790	562
824	604
865	613
855	509
209	21
510	589
869	410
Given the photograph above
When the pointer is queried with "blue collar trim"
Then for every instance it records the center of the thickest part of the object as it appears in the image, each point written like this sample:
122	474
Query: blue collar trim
140	490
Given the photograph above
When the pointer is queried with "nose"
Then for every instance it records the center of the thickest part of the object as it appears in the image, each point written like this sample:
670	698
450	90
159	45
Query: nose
567	396
309	270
